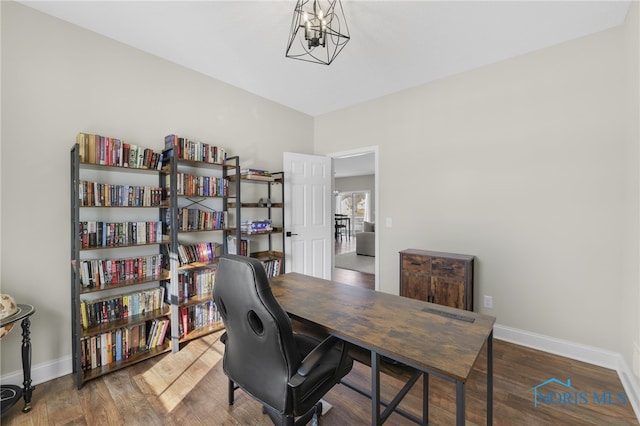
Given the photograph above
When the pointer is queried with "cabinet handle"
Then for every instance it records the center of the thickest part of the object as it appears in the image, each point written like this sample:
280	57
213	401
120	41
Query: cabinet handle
416	263
446	268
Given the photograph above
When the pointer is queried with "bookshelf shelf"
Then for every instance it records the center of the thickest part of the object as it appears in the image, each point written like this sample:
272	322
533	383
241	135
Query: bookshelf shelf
118	365
112	168
125	283
157	243
125	322
201	332
196	300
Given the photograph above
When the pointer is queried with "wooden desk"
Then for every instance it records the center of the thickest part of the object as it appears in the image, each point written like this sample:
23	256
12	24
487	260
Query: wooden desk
430	338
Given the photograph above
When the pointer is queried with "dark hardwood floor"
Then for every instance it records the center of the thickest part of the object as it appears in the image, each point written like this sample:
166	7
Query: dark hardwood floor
190	388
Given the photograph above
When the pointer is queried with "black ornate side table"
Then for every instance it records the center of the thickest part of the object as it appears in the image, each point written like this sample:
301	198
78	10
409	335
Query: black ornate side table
11	393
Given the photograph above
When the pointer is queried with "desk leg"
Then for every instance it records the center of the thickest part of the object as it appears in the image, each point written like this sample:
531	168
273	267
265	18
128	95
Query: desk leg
425	398
459	403
26	365
375	388
490	379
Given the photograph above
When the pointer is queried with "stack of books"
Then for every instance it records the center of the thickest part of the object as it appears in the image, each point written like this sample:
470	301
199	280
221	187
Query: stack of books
256	174
255	226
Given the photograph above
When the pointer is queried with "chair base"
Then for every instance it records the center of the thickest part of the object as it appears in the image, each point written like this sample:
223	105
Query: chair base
278	419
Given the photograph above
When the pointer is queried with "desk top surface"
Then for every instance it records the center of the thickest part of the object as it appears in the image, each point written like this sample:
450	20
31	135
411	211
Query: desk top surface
424	335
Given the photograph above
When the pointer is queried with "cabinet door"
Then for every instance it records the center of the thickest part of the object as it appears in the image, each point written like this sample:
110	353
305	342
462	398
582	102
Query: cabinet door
414	285
447	292
447	282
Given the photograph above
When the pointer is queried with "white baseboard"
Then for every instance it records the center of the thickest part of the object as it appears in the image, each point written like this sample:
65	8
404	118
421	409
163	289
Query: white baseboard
584	353
41	373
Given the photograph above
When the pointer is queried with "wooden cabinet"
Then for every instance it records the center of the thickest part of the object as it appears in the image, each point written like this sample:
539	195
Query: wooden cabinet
442	278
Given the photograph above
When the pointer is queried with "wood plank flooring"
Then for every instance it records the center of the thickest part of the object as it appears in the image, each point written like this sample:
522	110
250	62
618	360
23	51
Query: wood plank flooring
190	388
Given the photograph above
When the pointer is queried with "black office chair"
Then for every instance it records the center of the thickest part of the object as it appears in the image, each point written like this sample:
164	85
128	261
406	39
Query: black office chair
288	373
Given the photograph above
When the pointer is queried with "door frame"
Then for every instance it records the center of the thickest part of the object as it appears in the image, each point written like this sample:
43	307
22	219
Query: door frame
376	190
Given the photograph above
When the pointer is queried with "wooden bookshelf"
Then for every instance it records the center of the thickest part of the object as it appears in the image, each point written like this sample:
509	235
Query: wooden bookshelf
196	182
104	214
263	202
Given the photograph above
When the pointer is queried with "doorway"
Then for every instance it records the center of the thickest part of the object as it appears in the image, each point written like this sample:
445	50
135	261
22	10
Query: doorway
355	187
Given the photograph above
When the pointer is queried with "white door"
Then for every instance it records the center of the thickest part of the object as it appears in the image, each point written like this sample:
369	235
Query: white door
307	214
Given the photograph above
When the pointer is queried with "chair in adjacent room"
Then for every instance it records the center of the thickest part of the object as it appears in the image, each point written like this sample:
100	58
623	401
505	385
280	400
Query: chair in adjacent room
288	373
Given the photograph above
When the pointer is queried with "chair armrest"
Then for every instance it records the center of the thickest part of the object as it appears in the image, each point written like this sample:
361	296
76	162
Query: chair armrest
224	338
312	359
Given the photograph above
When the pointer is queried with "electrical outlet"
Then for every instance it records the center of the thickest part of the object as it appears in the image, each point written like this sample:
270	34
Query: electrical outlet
488	302
389	222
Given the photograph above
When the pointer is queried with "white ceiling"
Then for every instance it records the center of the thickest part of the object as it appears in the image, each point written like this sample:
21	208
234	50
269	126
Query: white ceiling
394	44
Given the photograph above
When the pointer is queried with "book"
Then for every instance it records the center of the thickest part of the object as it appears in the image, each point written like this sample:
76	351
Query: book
163	332
185	321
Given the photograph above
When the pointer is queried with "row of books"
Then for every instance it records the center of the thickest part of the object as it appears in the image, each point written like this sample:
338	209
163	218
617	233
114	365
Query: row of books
195	317
109	195
186	149
95	234
103	311
100	272
157	333
272	267
200	252
198	283
255	226
203	186
108	151
201	220
121	344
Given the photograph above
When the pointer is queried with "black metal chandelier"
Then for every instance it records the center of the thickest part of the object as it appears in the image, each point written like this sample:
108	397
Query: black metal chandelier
318	32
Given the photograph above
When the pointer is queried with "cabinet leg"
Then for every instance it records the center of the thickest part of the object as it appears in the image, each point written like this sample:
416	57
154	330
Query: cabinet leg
26	365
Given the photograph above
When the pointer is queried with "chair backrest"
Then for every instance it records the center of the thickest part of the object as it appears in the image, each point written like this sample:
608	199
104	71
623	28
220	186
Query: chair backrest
260	352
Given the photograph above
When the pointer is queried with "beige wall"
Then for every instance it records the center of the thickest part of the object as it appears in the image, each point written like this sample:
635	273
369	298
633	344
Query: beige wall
530	164
58	80
632	38
527	164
